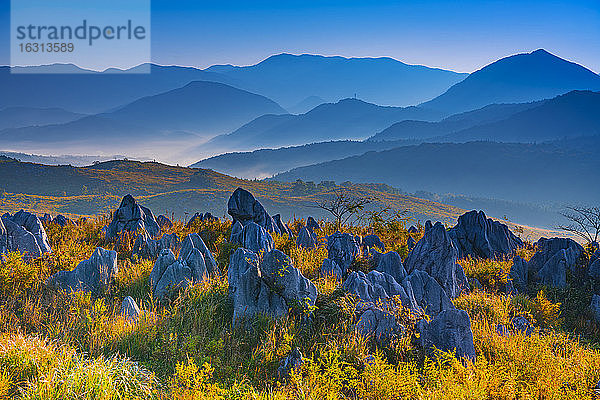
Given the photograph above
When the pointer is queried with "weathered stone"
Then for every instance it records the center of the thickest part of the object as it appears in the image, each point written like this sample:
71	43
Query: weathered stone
25	233
267	287
130	309
391	264
594	269
92	275
553	258
450	330
427	292
330	268
476	235
522	325
132	217
435	254
291	362
283	228
61	220
243	207
373	241
380	325
312	224
170	275
254	237
306	239
164	222
148	248
342	248
194	241
377	286
518	273
3	238
410	243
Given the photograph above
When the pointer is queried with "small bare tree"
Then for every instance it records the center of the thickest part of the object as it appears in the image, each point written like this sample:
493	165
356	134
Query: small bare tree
583	222
343	205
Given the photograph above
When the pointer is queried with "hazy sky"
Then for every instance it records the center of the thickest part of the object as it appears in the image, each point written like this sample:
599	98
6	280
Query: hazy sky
458	35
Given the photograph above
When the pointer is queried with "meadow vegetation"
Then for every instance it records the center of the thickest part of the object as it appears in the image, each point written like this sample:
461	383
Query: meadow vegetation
56	345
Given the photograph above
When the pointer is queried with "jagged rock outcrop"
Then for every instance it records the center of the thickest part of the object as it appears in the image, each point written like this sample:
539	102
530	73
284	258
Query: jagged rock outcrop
391	264
375	287
25	233
379	324
312	224
243	207
61	220
130	309
3	238
342	248
519	274
450	330
553	258
306	238
291	362
194	241
427	292
410	243
476	235
46	219
372	241
283	228
164	222
330	268
148	248
256	238
269	286
435	254
132	217
92	275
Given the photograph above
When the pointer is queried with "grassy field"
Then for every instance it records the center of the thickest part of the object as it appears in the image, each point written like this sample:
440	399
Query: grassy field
59	346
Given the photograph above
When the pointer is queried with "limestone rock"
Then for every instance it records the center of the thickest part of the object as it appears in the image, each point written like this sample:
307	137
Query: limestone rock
342	248
552	259
391	264
306	239
427	292
91	275
130	309
25	233
450	330
519	274
254	237
194	241
243	207
164	222
476	235
435	254
291	362
312	224
283	228
330	268
148	248
132	217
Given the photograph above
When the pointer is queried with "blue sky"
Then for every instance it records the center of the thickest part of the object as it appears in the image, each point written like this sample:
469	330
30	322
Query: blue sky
458	35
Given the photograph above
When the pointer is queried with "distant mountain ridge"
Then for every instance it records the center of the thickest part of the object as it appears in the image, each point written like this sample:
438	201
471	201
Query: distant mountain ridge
347	119
289	79
518	78
538	173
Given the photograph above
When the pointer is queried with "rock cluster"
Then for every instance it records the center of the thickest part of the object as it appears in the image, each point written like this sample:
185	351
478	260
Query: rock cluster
436	254
25	233
92	275
132	217
148	248
283	228
306	238
476	235
195	264
270	285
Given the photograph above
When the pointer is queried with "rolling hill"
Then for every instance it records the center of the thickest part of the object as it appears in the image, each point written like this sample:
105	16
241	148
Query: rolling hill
290	79
542	173
197	111
268	162
412	129
574	114
346	119
18	117
519	78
